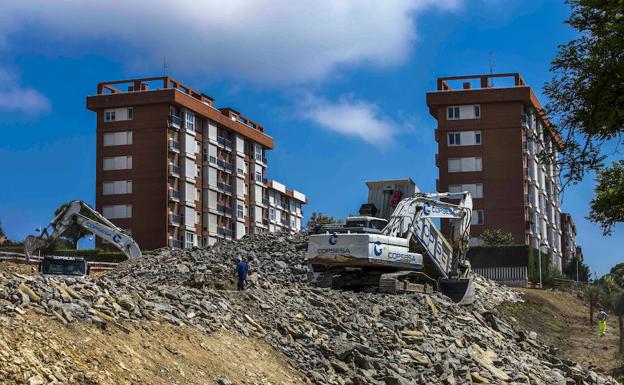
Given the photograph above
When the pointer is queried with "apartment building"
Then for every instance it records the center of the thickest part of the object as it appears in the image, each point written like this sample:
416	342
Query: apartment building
174	170
285	208
490	130
568	238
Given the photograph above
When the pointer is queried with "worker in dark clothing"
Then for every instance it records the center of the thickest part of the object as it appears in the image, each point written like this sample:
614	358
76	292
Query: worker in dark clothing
242	269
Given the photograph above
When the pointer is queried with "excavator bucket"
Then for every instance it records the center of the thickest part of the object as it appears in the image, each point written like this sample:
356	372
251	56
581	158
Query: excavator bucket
459	290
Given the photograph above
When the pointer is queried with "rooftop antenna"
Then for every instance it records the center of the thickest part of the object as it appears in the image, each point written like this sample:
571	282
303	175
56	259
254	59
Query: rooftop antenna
491	63
165	66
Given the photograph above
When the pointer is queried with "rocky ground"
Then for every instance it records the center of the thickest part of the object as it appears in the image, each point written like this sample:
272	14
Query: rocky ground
329	337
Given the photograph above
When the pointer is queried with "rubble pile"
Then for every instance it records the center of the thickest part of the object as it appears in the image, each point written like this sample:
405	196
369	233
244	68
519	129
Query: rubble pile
332	337
274	260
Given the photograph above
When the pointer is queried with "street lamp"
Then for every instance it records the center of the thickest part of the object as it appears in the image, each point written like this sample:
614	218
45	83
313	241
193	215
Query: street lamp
539	257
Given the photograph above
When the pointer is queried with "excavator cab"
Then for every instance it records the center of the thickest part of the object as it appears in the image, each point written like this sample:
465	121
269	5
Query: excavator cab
64	266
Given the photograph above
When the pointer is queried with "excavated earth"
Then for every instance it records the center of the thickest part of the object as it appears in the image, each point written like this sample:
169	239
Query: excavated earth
172	317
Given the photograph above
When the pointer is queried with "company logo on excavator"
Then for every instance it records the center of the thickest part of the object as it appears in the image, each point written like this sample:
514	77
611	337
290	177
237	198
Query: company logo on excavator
117	238
377	248
427	208
333	239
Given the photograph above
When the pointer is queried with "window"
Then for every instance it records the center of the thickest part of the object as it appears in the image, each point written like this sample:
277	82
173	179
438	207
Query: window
190	238
117	163
190	121
272	213
476	190
258	150
117	138
477	112
454	139
130	113
109	116
452	113
464	138
477	217
240	171
467	164
198	218
117	211
117	187
292	222
258	176
240	212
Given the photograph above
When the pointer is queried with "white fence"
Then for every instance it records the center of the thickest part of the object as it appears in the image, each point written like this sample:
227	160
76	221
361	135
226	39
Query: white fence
516	276
94	267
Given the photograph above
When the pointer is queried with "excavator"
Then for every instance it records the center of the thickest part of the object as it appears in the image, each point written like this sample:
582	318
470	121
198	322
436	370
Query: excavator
407	253
74	218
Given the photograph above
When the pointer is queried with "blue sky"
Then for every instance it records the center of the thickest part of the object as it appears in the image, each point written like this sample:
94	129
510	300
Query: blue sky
365	64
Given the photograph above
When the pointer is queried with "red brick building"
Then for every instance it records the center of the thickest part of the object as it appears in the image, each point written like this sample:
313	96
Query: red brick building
175	171
490	131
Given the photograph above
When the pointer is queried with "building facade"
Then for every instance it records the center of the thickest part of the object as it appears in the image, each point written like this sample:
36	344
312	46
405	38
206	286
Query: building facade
568	238
285	208
174	170
489	138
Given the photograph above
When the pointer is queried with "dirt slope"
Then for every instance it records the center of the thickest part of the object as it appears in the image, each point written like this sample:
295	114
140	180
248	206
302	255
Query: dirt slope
562	321
150	353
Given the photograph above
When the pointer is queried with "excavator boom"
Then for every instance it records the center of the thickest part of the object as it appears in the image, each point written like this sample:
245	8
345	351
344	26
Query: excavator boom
79	215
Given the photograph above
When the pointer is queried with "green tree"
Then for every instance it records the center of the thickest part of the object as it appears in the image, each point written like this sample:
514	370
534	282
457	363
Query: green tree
496	237
318	218
607	208
570	270
586	97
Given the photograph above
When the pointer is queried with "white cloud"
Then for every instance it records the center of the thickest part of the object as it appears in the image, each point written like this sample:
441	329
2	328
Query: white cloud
274	42
355	118
16	98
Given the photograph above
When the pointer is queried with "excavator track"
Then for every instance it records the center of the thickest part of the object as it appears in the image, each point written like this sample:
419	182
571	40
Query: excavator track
405	282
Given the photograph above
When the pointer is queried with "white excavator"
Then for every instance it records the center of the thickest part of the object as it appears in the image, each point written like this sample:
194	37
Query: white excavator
74	218
406	254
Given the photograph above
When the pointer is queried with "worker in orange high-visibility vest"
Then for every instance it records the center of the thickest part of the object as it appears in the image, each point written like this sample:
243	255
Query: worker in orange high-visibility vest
602	323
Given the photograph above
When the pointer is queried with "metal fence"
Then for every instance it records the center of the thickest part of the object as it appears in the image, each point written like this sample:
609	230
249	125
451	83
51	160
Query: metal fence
516	276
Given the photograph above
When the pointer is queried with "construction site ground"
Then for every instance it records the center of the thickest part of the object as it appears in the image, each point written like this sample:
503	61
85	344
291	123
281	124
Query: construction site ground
147	353
561	320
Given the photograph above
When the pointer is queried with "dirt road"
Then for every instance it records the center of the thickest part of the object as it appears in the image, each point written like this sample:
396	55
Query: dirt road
562	321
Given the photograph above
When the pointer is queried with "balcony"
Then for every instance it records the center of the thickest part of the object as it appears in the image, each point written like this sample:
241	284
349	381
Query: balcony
175	243
224	231
285	222
225	165
175	219
174	145
224	209
174	170
265	201
174	194
225	187
224	142
175	121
